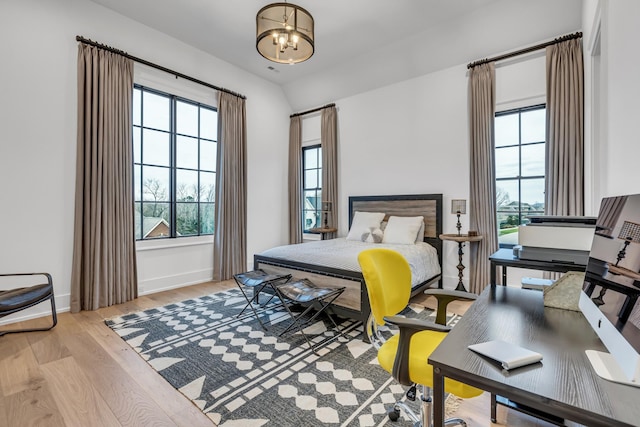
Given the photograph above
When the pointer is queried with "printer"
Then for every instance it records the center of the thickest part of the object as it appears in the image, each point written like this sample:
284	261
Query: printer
551	238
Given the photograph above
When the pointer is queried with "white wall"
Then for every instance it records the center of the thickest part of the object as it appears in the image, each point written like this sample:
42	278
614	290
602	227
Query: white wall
38	143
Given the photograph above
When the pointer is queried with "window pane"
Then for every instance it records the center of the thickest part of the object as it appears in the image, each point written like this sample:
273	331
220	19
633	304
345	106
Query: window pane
137	157
186	219
507	162
186	118
155	147
137	183
186	152
311	219
207	214
207	187
532	197
311	200
507	196
533	160
156	220
208	155
137	115
137	220
155	183
311	158
533	126
186	185
155	111
506	130
311	178
208	124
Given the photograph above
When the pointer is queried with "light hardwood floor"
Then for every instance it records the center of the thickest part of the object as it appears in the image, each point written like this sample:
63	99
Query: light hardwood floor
82	374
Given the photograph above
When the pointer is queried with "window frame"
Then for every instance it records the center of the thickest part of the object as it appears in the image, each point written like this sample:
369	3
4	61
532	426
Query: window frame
519	111
318	189
173	167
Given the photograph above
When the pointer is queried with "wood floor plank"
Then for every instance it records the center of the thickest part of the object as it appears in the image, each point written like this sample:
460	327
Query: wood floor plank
127	400
76	398
19	368
33	407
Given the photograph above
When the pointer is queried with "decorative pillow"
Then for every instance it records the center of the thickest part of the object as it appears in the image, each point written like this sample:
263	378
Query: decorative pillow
362	222
374	235
402	229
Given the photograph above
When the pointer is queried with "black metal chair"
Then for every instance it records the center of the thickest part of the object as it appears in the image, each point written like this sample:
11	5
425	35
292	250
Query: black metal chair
258	280
18	299
304	292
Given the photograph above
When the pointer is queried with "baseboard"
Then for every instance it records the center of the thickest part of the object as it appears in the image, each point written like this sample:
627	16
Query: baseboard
166	283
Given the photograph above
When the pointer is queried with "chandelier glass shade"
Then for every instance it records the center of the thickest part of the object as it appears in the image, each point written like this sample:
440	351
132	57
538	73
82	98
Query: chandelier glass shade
284	33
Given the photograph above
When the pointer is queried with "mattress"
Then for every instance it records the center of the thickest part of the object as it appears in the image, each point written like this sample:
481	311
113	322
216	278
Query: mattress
343	254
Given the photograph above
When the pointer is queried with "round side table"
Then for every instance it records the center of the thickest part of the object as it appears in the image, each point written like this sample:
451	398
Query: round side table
461	239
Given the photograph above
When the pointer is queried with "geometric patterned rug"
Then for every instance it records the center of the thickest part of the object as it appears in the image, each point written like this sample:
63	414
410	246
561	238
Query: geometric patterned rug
241	375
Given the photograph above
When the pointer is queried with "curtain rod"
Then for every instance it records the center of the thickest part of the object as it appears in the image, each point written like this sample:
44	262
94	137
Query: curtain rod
312	111
156	66
525	50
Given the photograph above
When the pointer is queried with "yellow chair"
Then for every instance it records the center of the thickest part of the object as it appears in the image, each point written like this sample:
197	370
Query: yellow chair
388	278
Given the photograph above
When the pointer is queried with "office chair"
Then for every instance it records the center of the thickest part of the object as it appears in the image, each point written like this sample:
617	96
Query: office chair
388	278
17	299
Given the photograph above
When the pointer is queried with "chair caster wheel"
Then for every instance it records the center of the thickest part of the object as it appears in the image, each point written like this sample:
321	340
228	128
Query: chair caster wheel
394	414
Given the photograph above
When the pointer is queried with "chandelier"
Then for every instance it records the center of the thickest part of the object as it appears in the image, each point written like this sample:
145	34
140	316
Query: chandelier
284	33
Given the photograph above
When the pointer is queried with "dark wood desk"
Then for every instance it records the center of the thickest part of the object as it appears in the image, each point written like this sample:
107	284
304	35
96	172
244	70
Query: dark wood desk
564	384
505	258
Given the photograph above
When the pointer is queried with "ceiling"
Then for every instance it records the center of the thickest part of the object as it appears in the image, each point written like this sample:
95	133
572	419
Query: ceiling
352	36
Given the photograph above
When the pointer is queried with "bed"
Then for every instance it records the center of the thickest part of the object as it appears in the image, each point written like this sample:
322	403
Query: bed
302	260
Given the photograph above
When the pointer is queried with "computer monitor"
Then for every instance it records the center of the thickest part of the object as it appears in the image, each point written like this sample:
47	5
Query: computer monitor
611	287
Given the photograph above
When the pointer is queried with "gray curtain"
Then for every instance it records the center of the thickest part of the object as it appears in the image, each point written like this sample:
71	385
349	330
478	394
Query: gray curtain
482	197
104	268
565	117
295	180
230	238
329	142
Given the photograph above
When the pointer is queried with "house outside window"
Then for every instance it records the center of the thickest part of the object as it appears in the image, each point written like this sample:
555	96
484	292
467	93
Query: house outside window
520	169
175	148
311	187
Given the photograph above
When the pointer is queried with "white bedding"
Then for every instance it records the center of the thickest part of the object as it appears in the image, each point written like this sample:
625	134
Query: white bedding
343	254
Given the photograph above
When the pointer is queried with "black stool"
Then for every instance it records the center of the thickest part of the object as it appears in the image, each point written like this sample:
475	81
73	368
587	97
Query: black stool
258	280
15	300
303	292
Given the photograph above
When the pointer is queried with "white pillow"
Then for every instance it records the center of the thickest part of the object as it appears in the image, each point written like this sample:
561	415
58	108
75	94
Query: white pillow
402	229
362	222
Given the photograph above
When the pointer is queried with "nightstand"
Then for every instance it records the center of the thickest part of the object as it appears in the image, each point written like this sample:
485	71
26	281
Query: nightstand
461	239
323	231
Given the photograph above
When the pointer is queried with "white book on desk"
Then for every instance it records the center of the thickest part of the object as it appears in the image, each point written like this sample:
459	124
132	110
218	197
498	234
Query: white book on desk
511	356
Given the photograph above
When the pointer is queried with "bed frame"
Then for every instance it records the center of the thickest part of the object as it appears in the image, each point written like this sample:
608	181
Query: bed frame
354	301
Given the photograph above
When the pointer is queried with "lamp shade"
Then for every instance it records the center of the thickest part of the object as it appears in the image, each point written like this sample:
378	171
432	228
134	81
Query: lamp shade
284	33
458	206
630	231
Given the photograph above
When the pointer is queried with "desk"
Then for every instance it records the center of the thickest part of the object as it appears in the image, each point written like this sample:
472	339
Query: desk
461	239
505	258
563	385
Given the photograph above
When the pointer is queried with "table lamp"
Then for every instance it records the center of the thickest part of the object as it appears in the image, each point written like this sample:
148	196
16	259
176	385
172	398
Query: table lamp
458	207
326	208
630	232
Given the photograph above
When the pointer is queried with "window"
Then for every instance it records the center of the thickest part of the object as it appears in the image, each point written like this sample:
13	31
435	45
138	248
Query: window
520	169
311	187
175	148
